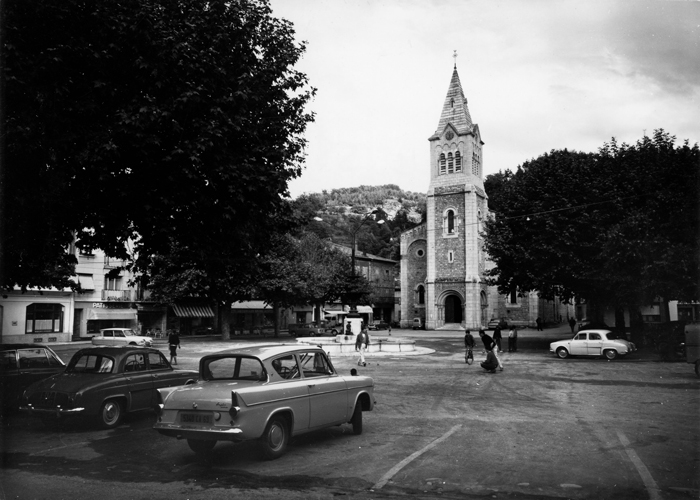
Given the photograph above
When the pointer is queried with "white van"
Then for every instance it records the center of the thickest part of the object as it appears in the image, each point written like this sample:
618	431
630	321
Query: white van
417	324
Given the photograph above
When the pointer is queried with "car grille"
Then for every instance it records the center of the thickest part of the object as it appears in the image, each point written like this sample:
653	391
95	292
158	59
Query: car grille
49	399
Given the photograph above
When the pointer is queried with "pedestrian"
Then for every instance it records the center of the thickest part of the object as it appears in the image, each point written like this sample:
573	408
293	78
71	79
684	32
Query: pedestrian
174	343
513	339
539	324
469	345
491	362
490	346
389	329
361	345
497	337
572	324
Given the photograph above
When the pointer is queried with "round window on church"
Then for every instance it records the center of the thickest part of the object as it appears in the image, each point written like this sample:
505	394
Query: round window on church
420	252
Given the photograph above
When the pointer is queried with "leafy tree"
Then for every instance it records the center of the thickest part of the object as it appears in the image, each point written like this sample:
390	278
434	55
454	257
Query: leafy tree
616	228
143	126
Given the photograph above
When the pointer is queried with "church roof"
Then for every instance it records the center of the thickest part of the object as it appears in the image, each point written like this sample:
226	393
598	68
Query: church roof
455	111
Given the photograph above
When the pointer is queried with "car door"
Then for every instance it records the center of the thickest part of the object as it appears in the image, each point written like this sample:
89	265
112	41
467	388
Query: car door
579	345
328	394
161	372
120	338
595	344
139	381
107	337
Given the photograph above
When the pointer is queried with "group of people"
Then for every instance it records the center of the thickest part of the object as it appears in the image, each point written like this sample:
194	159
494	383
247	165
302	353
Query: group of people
492	346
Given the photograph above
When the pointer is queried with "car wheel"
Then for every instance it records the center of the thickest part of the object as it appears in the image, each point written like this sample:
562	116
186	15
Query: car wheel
132	343
201	445
562	352
610	354
357	419
274	440
111	413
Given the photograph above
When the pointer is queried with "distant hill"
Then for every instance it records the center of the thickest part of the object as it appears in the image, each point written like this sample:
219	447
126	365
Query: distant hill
342	209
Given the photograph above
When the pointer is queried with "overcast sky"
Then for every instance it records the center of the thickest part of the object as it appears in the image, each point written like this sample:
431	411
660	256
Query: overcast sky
538	75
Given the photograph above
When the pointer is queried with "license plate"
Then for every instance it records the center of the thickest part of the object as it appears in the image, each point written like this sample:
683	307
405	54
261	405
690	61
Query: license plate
196	418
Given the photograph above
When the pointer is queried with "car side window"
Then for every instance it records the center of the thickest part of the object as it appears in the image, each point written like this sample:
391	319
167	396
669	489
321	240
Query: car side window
33	358
233	368
135	363
594	336
156	361
90	363
8	360
286	367
315	364
581	336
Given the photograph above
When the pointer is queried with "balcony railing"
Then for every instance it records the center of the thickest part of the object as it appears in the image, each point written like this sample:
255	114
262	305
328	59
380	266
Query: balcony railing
118	295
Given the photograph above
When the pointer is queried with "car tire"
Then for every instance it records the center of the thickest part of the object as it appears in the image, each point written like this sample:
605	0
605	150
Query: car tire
111	413
273	442
356	419
610	354
562	352
132	343
201	446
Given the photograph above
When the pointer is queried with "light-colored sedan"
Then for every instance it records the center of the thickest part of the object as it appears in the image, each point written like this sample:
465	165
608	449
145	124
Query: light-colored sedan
593	343
264	392
121	337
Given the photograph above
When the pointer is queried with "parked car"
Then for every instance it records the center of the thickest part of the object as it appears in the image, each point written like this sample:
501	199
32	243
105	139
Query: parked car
417	324
306	330
378	325
120	337
692	345
105	383
20	366
593	343
264	392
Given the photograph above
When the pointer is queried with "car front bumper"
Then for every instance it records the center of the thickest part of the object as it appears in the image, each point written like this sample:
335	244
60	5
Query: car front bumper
58	411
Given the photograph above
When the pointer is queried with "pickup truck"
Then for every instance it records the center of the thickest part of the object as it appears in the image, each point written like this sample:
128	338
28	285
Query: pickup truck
306	330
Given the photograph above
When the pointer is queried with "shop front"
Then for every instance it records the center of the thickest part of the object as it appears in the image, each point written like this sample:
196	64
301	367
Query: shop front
91	317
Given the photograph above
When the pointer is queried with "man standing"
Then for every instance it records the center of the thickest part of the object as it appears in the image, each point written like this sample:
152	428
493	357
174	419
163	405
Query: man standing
572	324
469	346
174	343
497	337
490	346
361	345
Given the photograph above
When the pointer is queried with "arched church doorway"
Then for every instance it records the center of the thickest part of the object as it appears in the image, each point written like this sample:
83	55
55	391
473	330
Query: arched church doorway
453	309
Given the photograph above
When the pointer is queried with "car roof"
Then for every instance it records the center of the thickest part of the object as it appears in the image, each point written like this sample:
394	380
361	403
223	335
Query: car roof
10	347
117	350
103	329
594	330
266	351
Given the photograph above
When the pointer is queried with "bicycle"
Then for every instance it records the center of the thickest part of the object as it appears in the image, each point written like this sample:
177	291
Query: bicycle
469	356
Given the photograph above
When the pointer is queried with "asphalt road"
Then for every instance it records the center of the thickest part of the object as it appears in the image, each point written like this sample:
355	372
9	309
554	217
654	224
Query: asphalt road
542	428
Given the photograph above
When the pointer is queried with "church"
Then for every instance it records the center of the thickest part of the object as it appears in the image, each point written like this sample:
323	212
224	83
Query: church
442	260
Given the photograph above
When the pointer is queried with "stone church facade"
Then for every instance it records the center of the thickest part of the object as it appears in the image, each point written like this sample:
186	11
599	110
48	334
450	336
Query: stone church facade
442	260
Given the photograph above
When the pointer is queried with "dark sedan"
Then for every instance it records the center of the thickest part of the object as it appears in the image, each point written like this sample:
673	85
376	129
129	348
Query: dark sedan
105	383
20	366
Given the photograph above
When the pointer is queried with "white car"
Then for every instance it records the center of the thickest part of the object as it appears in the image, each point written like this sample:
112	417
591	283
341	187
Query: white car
593	343
121	337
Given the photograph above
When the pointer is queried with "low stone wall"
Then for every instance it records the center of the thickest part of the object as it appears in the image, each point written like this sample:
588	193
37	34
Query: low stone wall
345	344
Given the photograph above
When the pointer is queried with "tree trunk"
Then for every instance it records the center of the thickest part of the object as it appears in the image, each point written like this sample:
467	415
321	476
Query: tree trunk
225	318
276	318
636	325
620	318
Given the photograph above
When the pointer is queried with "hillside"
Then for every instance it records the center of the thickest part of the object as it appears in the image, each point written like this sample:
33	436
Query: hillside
341	211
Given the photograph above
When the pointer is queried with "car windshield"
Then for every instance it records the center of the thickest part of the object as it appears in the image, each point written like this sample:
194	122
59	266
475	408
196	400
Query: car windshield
233	368
90	363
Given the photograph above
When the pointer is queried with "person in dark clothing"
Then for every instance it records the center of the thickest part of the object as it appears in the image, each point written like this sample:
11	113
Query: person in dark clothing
497	338
174	343
469	345
513	339
539	324
490	347
491	362
572	324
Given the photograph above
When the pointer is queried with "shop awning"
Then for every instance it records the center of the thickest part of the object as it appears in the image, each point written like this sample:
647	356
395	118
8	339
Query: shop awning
364	309
125	314
250	304
193	311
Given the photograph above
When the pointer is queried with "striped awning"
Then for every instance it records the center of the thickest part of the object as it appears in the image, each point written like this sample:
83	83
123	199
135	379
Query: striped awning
193	311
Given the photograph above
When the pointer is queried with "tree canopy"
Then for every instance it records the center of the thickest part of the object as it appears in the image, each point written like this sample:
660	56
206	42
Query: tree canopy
616	228
141	126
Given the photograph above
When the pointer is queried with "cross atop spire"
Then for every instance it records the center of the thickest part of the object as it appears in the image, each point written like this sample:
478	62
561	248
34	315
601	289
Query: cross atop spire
455	56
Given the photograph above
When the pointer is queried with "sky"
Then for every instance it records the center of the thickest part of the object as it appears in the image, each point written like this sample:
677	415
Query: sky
537	74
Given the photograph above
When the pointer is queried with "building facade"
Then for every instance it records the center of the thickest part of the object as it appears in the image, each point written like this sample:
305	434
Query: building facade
443	263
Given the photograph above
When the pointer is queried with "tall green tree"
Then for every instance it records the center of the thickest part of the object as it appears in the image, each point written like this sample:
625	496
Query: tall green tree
616	228
146	125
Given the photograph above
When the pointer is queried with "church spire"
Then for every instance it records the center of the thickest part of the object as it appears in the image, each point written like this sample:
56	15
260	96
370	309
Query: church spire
455	110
